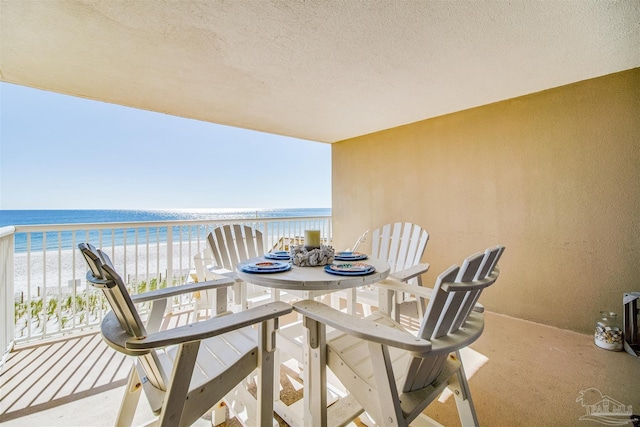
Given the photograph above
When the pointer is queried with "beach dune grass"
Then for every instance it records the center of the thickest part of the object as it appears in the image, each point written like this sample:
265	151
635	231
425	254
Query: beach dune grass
62	313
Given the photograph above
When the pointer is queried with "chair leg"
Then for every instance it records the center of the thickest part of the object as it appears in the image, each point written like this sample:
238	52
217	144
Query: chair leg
130	399
218	414
335	301
391	413
367	420
314	374
266	357
462	393
366	310
420	303
239	296
352	300
156	315
173	409
395	305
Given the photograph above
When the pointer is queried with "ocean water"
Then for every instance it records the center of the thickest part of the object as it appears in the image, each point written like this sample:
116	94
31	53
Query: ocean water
41	217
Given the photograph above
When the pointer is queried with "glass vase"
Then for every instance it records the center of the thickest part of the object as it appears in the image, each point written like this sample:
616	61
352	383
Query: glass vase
608	333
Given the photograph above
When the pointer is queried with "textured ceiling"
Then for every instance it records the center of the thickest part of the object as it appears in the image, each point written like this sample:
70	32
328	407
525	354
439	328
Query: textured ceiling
317	70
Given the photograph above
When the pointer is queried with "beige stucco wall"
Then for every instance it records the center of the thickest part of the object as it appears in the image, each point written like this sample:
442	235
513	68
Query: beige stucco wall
554	176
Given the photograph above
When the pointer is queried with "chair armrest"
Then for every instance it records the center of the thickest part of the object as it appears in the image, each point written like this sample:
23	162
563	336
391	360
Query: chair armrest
410	273
361	328
209	328
396	285
479	284
182	289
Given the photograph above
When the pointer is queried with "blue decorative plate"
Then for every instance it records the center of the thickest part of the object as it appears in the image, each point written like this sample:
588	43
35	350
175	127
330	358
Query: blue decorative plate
266	267
350	256
282	255
350	269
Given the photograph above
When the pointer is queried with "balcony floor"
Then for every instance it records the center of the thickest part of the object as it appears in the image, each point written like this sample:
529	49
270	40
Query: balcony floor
533	376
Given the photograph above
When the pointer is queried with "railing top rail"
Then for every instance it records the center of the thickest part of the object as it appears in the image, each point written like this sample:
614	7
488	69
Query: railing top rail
7	231
140	224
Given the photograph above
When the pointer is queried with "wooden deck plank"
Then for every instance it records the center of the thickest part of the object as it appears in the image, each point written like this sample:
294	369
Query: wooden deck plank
48	374
17	371
28	388
77	381
71	357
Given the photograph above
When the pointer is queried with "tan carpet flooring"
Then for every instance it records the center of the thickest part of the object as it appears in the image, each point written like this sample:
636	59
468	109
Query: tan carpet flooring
535	374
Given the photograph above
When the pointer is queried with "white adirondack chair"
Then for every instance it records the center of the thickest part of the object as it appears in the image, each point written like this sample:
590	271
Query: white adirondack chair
186	370
391	373
231	244
402	246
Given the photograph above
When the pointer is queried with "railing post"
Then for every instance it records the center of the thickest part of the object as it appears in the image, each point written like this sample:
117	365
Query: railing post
265	236
169	255
7	334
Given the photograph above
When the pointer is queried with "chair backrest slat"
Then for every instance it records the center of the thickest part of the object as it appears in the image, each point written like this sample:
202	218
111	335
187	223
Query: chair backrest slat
241	244
230	248
492	260
489	261
437	303
455	299
402	243
380	243
253	239
469	301
423	371
394	243
416	247
213	238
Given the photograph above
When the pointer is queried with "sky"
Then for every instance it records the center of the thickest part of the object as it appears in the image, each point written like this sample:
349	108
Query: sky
63	152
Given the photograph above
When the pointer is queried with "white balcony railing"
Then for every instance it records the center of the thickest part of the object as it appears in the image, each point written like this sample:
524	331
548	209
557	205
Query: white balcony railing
42	276
6	289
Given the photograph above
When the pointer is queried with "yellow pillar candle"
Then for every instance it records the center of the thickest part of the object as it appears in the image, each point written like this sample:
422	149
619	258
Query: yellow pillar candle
312	238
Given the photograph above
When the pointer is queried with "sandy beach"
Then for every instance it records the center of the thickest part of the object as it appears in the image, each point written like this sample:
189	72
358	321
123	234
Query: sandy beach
59	269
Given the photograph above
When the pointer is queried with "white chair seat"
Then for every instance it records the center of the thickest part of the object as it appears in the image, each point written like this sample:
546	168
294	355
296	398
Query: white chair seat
217	354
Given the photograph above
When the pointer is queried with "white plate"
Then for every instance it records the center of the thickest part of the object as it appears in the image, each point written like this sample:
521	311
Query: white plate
282	255
350	256
350	269
266	267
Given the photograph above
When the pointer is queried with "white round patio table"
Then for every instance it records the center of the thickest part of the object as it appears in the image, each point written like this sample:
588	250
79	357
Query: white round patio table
313	281
307	283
